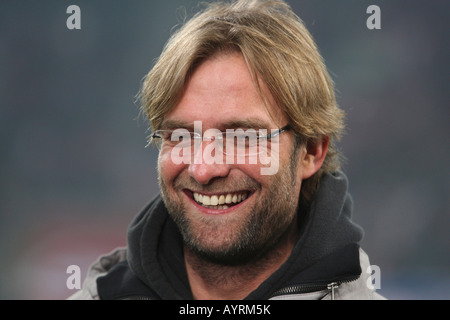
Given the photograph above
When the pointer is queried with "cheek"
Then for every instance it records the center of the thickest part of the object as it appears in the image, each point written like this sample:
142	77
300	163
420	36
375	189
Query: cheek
252	171
167	169
276	159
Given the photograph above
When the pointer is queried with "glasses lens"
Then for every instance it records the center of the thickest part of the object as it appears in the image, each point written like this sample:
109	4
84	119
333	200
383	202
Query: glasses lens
234	142
241	143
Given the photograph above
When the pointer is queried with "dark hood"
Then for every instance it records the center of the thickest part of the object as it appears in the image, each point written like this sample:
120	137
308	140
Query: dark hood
327	249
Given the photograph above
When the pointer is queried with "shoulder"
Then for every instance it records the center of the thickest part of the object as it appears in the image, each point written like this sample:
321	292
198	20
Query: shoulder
99	268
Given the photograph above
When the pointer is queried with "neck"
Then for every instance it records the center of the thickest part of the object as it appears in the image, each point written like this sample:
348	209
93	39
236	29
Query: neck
210	281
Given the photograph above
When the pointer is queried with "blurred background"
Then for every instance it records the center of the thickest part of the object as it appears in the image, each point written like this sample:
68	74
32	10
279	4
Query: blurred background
74	170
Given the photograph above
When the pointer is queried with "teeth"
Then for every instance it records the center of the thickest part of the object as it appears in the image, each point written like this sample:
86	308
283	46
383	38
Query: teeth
219	201
206	200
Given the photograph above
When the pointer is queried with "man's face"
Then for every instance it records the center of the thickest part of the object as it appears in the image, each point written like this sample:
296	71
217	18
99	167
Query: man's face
222	95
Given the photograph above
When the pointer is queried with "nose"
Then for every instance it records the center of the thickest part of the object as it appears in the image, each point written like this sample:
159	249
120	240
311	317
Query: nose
208	163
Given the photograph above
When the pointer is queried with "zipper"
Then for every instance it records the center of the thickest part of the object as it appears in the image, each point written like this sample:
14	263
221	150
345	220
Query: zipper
295	289
332	286
136	298
313	287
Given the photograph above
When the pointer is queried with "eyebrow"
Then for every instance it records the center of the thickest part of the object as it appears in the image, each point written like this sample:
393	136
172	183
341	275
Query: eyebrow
254	123
175	124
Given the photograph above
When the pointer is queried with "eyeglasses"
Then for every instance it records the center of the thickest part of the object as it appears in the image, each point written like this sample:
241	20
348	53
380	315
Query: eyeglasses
247	142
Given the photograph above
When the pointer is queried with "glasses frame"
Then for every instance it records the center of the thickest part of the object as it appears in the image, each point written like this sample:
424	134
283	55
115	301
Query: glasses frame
157	135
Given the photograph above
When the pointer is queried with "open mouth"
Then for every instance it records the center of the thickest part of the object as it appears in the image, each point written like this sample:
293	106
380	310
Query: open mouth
219	201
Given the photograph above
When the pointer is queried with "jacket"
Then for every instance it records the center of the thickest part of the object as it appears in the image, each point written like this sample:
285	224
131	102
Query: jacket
326	262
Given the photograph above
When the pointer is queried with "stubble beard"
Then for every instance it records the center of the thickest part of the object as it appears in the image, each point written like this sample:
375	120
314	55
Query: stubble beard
236	240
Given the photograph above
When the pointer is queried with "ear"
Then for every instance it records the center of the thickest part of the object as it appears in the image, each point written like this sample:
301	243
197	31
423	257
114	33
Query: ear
315	154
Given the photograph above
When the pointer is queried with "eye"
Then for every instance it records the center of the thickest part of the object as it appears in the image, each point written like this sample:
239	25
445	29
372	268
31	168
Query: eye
250	138
159	135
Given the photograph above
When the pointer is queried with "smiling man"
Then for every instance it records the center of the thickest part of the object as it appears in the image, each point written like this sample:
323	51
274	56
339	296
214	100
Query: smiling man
240	88
257	230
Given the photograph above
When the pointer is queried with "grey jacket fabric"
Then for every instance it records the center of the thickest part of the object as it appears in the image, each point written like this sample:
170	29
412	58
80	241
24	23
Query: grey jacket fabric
326	263
99	268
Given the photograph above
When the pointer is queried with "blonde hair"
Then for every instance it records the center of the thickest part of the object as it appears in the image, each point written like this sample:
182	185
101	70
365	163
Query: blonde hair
278	50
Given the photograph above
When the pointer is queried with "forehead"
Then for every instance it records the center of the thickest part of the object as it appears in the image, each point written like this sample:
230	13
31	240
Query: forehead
222	93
